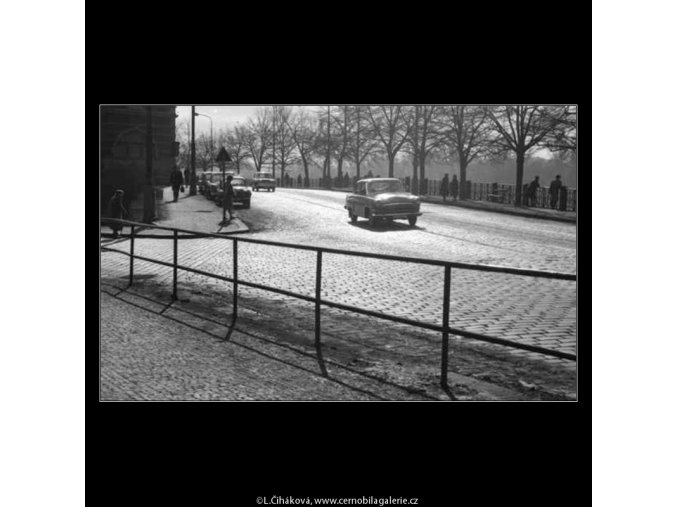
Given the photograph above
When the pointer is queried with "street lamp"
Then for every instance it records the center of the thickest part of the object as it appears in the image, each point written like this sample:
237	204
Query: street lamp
211	136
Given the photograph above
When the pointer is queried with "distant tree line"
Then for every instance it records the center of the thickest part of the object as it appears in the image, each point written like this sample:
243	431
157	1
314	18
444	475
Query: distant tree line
327	138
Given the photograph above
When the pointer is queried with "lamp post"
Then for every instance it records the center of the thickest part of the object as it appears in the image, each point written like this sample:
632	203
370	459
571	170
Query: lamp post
211	137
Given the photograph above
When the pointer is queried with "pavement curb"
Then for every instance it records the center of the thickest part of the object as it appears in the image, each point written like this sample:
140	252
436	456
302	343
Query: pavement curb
475	205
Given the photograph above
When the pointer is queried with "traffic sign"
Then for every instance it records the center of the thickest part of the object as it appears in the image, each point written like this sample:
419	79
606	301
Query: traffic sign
223	156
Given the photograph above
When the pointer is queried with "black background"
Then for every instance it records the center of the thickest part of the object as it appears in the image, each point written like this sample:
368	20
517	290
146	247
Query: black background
227	453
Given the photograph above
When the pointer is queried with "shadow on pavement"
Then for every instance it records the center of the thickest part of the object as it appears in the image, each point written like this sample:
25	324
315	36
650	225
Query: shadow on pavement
386	226
243	328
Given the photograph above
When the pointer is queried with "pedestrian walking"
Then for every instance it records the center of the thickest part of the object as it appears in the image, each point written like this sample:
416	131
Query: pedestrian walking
531	191
454	187
228	197
116	209
444	187
176	181
555	186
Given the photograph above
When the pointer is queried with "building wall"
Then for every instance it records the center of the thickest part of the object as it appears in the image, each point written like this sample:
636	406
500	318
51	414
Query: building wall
123	151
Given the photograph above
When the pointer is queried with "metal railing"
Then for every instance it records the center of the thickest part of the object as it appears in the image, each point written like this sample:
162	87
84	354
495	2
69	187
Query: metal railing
445	329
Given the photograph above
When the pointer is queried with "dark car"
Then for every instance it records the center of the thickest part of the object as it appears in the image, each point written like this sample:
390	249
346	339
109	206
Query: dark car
264	180
241	194
382	198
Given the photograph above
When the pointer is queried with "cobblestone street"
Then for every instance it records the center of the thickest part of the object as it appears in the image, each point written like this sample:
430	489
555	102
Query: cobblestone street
529	310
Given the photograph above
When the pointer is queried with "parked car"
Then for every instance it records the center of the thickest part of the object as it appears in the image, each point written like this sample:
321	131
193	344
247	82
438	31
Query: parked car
241	194
382	198
201	181
214	181
264	180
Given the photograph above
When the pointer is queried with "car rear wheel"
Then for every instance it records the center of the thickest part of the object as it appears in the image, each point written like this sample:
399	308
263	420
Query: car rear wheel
353	218
372	219
246	204
412	220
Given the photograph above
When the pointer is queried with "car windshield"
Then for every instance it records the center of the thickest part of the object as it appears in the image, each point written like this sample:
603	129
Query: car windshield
217	177
238	182
384	186
264	175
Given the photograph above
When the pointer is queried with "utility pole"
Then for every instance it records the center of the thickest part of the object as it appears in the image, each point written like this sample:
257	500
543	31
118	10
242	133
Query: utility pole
148	194
193	188
274	135
328	179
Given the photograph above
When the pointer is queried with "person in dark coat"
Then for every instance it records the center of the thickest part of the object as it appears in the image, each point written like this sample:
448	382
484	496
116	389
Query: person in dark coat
531	191
176	180
444	187
116	209
228	197
454	187
555	186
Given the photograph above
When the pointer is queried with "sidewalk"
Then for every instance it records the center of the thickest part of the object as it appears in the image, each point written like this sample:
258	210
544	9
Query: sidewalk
193	213
549	214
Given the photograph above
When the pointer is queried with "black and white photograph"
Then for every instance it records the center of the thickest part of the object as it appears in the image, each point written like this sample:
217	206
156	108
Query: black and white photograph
340	252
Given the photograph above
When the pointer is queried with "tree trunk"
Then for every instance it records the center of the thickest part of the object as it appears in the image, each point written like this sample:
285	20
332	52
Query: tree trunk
421	164
414	174
357	168
463	165
519	178
339	173
391	165
305	170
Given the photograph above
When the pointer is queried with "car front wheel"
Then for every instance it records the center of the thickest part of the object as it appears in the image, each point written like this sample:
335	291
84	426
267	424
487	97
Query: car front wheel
353	217
412	220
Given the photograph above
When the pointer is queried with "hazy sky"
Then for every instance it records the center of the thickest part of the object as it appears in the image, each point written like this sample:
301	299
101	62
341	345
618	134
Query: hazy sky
222	116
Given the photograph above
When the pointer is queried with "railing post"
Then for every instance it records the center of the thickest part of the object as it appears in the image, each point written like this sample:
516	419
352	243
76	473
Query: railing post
131	257
234	278
318	299
176	257
445	333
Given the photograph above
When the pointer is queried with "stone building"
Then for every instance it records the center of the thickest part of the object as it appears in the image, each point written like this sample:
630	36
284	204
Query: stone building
123	152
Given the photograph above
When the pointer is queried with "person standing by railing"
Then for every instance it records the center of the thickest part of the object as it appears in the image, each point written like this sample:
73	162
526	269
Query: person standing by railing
531	192
555	186
454	187
444	187
116	209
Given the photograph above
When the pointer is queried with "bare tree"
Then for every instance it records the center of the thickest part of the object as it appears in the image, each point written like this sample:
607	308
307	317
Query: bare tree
391	128
303	132
468	130
285	153
520	129
342	128
258	137
234	140
562	139
203	147
362	142
424	137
